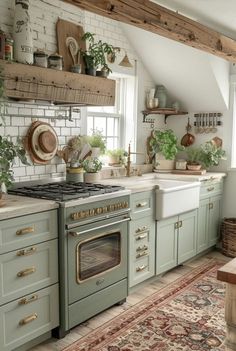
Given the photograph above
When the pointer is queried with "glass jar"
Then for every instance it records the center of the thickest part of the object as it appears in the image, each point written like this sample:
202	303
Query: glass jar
8	49
40	59
161	94
55	61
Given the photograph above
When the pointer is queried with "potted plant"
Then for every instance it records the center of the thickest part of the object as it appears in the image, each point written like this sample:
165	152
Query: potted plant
116	157
8	152
211	154
97	143
164	147
92	167
95	55
194	155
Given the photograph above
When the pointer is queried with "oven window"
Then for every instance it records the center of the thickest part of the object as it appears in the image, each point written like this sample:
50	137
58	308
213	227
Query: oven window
98	255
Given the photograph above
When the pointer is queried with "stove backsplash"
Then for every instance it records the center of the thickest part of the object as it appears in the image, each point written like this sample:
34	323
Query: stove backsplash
17	121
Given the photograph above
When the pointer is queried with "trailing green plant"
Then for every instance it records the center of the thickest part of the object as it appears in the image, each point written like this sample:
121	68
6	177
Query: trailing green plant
97	140
96	52
211	154
166	142
8	152
92	165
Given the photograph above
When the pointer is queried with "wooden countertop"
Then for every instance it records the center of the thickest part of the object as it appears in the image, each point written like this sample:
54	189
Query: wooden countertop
20	205
227	273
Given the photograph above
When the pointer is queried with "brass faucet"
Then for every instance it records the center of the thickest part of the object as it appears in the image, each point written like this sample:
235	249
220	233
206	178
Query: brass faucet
128	166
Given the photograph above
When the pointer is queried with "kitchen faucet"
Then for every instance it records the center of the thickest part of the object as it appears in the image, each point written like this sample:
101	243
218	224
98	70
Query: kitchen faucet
128	166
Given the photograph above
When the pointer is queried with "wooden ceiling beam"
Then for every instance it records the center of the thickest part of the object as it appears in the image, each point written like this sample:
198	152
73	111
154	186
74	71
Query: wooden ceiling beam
154	18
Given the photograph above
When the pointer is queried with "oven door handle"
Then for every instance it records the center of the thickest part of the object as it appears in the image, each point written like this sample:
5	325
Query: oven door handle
126	219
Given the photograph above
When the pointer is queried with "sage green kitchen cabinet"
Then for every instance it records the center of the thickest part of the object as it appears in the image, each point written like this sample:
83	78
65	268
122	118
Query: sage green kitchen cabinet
175	240
29	297
209	214
141	238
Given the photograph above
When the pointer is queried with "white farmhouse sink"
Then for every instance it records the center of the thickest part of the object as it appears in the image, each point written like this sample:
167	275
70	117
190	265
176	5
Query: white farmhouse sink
175	196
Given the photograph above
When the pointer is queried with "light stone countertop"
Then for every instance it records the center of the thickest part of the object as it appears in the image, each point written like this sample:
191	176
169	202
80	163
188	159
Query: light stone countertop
20	205
149	181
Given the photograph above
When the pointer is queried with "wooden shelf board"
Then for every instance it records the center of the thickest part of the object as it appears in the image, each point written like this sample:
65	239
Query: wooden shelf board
162	111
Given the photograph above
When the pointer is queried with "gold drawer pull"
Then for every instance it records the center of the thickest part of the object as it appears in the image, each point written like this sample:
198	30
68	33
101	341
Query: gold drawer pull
25	301
141	204
141	254
141	248
141	229
28	319
26	271
140	268
140	237
176	225
26	252
210	206
23	231
211	188
180	224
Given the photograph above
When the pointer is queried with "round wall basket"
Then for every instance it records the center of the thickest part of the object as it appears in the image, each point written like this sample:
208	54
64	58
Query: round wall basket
42	142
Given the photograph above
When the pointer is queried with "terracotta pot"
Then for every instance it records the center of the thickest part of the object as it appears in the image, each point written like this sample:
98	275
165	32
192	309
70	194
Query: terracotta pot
194	167
92	177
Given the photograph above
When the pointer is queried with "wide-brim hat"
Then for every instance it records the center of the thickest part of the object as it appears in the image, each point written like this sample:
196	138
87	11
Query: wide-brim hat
41	142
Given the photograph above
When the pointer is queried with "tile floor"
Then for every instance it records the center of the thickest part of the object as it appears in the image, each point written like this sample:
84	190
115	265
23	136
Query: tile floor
143	291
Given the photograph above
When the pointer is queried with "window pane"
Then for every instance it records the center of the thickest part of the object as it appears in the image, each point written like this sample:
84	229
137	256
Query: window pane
100	124
110	126
90	125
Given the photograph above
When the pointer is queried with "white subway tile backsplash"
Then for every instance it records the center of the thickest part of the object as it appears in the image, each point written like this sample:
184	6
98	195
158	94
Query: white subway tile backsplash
13	131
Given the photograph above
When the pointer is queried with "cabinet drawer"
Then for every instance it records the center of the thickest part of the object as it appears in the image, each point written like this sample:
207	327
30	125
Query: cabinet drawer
142	204
141	270
26	270
27	230
28	317
210	188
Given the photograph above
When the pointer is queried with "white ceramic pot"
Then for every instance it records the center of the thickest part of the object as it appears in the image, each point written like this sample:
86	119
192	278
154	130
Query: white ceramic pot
75	174
163	164
22	33
95	152
92	177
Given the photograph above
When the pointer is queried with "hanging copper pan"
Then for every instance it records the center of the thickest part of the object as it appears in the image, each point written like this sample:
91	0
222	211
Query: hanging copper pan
188	139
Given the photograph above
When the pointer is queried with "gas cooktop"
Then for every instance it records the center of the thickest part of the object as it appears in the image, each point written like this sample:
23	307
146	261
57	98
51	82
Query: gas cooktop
63	191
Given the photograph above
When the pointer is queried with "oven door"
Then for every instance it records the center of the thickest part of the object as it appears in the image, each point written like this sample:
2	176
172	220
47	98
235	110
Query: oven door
97	256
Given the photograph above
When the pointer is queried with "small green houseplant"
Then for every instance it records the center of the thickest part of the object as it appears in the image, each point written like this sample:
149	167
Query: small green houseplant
97	140
164	144
92	165
194	155
211	154
95	55
117	156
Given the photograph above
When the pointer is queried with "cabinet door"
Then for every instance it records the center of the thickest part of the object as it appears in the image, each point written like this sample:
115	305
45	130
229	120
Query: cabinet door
166	244
202	230
187	236
214	219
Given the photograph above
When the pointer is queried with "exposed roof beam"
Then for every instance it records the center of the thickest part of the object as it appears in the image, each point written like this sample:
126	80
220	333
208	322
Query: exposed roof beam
157	19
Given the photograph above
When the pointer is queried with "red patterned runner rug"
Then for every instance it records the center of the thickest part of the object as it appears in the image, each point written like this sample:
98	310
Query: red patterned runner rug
186	315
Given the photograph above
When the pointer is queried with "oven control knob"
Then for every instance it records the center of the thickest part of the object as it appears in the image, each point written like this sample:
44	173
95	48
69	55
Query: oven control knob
112	207
125	204
105	209
82	214
91	212
98	210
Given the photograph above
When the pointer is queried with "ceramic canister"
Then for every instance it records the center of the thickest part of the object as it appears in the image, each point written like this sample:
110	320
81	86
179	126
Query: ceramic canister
22	33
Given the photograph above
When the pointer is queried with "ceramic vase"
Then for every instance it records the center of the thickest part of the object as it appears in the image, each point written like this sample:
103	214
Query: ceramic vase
92	177
22	33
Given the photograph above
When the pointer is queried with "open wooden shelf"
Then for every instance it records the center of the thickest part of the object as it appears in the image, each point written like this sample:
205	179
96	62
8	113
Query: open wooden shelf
162	111
30	82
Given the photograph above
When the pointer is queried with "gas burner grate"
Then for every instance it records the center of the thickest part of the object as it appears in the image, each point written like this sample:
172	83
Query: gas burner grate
63	191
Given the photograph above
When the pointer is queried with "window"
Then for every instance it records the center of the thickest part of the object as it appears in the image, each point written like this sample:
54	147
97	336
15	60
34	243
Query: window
117	123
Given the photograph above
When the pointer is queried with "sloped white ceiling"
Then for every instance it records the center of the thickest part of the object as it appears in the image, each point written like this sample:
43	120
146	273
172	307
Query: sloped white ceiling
199	81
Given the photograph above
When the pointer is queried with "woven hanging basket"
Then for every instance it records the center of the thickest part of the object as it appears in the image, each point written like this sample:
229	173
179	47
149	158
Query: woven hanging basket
228	234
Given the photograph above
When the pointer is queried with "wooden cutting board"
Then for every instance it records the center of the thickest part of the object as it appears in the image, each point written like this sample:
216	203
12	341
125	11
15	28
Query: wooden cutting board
185	171
68	29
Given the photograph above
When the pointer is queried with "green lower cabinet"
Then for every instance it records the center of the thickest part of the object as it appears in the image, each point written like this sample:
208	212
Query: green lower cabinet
187	235
166	244
214	219
208	222
175	240
27	318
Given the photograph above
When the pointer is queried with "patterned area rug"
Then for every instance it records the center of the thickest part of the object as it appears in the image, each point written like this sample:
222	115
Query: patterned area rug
186	315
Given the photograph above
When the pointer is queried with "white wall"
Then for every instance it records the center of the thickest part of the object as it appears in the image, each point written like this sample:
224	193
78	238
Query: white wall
44	15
